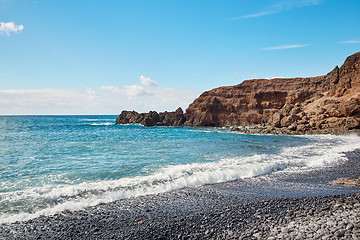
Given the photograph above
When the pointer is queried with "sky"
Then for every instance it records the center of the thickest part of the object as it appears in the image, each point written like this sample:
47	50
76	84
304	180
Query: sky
102	57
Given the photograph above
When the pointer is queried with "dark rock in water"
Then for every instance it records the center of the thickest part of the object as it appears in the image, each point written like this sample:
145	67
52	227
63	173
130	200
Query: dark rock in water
324	104
130	117
152	118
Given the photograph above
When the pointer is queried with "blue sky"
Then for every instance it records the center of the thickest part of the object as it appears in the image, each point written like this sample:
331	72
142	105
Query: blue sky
100	57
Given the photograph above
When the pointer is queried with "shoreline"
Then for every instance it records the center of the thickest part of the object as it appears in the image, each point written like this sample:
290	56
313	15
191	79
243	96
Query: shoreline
276	205
262	129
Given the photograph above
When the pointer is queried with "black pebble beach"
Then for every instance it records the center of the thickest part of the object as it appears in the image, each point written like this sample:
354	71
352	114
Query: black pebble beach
279	206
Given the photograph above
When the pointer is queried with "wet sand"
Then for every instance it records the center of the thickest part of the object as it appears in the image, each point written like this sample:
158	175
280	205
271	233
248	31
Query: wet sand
282	205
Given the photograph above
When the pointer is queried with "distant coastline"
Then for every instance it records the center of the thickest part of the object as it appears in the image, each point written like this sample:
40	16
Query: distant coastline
324	104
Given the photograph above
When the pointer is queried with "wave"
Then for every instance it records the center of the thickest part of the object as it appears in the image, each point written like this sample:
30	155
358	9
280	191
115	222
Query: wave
98	119
324	150
103	124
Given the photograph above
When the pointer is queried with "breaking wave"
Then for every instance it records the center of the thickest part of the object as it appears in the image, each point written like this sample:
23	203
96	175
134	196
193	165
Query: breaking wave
51	199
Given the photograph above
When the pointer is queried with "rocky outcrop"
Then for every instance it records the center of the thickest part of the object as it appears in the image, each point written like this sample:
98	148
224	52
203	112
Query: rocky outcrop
152	118
329	103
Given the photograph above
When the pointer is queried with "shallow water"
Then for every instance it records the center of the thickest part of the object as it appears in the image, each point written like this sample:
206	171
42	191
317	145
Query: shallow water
52	163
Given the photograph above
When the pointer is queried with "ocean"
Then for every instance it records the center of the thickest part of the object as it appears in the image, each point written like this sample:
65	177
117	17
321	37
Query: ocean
49	164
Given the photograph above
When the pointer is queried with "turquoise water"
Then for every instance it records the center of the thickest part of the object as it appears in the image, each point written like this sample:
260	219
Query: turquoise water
53	163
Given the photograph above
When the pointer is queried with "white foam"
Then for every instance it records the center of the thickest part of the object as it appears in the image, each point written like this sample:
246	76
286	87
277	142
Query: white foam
325	149
102	124
98	119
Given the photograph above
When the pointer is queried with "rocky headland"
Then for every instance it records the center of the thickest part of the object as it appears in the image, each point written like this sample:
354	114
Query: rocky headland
324	104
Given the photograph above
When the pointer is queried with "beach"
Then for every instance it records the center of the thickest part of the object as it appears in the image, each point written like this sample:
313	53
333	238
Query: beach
179	120
278	206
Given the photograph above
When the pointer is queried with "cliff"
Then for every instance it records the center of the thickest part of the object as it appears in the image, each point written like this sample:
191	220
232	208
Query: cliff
325	103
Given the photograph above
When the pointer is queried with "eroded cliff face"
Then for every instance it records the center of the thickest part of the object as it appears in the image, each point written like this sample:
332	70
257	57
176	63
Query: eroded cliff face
331	101
317	104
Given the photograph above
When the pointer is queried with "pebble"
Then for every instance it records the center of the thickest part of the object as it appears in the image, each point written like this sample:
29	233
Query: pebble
339	233
285	219
256	235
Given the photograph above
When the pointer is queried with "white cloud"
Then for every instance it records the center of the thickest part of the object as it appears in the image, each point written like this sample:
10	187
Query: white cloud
107	100
90	91
46	101
281	47
269	78
114	89
145	81
281	6
350	42
259	14
136	90
128	90
103	100
7	27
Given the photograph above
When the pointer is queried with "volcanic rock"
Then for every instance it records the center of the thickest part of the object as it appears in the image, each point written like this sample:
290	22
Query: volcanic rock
152	118
326	104
329	102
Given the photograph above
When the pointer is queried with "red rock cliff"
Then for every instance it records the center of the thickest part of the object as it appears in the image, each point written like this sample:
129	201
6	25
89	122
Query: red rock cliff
331	101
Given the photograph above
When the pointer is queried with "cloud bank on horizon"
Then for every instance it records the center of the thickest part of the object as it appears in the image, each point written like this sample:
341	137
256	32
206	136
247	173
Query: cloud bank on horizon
103	100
